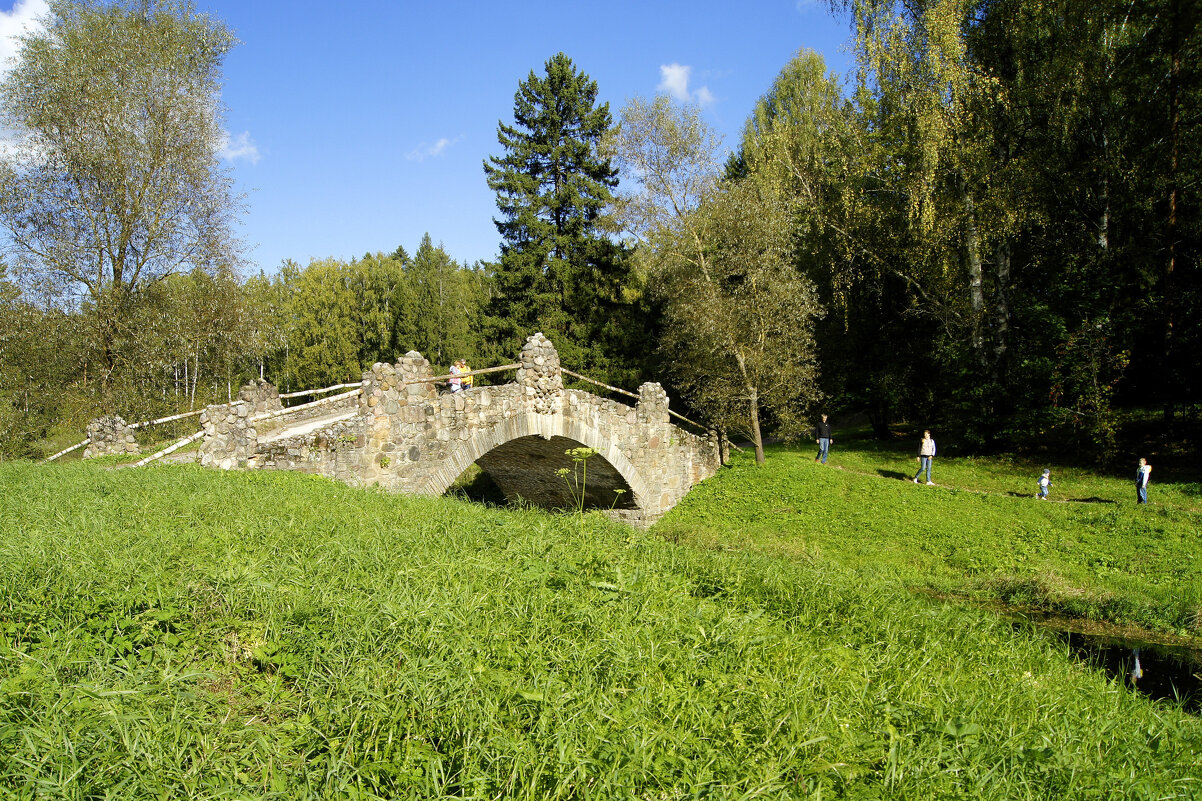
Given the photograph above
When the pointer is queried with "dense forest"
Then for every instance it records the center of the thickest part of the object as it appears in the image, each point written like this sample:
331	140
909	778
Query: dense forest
992	229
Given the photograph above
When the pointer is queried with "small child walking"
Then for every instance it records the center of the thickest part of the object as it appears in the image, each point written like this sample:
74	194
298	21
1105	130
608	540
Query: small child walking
1045	482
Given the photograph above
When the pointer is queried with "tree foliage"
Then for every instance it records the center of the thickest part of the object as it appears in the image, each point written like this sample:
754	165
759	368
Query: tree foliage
738	316
447	305
114	183
560	270
1018	181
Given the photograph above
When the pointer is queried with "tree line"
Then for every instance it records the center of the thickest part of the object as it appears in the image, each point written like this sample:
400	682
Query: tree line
991	227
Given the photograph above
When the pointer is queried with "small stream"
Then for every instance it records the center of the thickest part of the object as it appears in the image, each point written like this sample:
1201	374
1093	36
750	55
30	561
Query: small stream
1161	672
1164	672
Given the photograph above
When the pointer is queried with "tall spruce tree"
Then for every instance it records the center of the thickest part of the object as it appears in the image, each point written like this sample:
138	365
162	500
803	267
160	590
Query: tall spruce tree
559	271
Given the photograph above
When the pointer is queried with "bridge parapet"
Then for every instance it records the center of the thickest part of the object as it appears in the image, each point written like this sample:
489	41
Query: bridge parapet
263	397
541	376
406	436
230	435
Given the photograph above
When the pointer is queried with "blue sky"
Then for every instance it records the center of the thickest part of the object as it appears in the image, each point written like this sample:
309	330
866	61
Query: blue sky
359	126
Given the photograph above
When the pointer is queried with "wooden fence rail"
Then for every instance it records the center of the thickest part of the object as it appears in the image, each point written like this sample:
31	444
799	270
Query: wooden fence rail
145	423
630	394
319	391
170	449
65	451
310	405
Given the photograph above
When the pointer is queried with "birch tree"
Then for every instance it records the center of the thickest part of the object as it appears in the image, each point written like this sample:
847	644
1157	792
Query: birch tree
738	331
114	182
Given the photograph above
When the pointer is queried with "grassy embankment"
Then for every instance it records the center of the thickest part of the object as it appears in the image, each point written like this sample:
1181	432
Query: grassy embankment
176	632
1090	553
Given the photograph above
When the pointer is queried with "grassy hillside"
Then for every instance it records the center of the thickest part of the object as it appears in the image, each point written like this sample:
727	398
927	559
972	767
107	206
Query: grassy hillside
176	632
1089	553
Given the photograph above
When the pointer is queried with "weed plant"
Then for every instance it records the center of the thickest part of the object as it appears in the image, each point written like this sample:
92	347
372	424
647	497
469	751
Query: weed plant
176	632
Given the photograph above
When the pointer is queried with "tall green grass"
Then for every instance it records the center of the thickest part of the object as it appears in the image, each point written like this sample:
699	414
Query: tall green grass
176	632
1092	553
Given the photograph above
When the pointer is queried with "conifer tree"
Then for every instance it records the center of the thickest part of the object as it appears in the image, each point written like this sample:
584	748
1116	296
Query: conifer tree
445	306
559	271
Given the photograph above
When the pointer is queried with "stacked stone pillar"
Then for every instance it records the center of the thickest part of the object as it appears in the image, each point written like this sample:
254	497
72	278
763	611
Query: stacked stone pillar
397	401
540	376
231	437
652	407
263	397
110	435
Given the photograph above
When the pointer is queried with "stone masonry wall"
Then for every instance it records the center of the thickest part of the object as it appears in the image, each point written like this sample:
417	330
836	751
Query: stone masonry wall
230	436
262	396
110	435
336	451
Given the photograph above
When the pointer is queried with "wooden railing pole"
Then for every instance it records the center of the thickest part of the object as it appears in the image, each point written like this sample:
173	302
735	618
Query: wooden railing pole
319	391
310	405
448	376
625	392
65	451
170	449
165	419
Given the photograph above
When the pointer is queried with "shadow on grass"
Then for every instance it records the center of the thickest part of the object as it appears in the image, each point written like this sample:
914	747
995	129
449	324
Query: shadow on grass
893	474
1091	499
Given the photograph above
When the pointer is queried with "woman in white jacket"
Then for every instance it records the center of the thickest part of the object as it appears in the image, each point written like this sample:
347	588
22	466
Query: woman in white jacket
926	455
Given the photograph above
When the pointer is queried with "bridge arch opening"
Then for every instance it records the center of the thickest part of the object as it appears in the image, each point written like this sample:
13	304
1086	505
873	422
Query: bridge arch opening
530	468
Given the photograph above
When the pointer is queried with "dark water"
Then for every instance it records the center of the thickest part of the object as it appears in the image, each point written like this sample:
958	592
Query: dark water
1165	672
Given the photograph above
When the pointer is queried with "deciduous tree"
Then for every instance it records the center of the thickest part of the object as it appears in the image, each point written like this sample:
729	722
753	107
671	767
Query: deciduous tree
738	316
114	182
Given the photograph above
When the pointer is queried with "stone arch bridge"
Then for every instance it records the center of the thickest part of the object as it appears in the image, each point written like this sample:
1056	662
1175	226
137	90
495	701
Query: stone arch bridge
397	431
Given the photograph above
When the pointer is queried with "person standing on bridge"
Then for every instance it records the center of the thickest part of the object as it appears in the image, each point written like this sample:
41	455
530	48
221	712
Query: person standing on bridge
466	381
926	455
823	433
456	382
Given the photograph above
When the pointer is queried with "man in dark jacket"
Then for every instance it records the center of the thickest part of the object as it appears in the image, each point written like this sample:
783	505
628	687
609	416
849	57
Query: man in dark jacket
823	432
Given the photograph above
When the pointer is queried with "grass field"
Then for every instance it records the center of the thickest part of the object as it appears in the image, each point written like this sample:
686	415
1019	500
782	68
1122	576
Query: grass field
175	632
1089	553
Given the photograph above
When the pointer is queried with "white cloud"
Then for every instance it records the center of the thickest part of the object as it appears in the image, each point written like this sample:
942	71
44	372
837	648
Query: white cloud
674	79
239	147
20	19
425	151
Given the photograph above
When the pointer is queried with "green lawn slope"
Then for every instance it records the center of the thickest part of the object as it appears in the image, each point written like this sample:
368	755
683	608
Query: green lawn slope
1090	553
181	633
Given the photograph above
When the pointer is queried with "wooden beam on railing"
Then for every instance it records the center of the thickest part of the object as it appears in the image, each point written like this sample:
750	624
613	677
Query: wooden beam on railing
165	419
310	405
65	451
170	449
598	383
628	393
449	376
319	391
